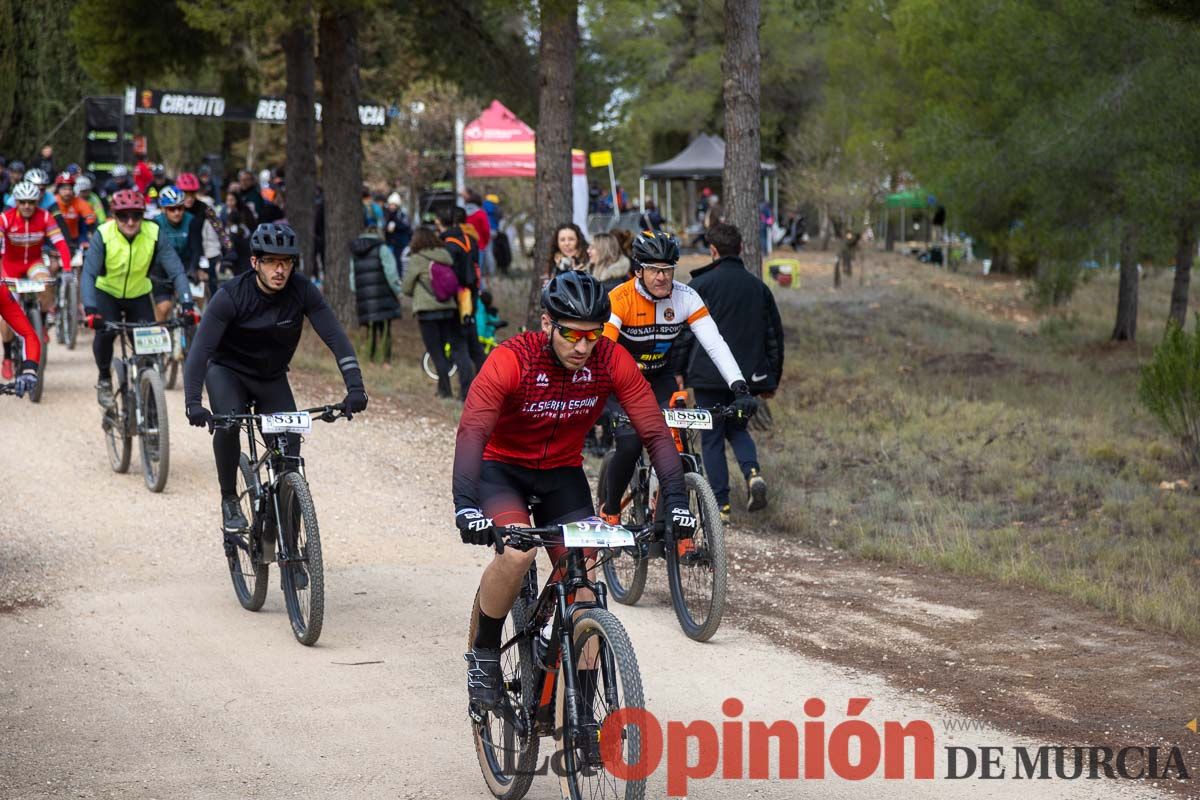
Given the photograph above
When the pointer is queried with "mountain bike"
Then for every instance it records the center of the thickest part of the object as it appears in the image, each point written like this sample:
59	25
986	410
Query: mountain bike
66	329
548	638
488	342
181	338
283	530
697	569
27	293
139	407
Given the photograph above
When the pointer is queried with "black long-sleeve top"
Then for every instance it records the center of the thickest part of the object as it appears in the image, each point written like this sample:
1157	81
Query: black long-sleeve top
256	333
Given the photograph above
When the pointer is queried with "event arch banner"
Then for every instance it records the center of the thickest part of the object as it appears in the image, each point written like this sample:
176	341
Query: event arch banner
202	105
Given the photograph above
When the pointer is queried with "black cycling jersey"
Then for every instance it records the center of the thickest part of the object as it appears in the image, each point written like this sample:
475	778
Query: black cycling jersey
256	333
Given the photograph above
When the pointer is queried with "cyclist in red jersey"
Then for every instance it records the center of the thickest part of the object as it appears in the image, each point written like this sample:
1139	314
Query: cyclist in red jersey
23	229
521	435
11	313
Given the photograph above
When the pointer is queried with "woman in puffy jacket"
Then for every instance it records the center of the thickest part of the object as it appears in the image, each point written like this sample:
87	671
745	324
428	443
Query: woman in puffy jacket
438	319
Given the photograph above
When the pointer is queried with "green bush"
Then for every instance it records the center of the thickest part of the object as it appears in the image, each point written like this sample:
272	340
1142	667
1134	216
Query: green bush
1170	387
1054	283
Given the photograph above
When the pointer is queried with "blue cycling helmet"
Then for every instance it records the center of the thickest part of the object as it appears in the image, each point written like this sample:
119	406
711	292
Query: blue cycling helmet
170	197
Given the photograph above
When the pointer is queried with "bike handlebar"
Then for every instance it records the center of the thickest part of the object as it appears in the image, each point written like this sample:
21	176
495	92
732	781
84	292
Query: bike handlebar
129	326
12	284
328	413
526	538
618	418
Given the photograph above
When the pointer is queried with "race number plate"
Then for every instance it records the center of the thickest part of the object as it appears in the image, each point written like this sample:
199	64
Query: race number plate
287	422
24	286
594	532
151	341
691	418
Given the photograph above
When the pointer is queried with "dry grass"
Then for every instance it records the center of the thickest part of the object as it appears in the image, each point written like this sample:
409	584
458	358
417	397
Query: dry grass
936	418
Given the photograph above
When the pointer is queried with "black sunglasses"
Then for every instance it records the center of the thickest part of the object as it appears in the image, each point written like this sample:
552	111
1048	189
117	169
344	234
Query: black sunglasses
128	216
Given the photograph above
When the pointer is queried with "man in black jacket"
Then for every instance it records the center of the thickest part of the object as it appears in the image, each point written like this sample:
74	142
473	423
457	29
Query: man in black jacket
745	312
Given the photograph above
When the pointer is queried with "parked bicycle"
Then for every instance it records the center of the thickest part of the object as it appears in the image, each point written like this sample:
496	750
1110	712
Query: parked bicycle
488	342
548	639
27	292
139	407
697	569
66	328
283	530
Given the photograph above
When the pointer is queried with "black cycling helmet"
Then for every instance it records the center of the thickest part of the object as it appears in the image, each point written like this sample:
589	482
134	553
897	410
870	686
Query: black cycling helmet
576	295
274	239
652	247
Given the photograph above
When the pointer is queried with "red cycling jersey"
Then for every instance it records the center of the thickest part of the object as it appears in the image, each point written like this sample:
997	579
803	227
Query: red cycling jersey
10	312
21	241
525	408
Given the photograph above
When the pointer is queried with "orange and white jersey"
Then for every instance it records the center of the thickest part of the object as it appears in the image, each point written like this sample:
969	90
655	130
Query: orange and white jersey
647	327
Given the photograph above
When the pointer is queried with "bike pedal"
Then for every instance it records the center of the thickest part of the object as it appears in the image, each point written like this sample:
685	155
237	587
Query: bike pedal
230	542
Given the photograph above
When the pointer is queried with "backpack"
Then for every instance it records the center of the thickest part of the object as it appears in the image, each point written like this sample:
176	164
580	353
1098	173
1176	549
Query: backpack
442	281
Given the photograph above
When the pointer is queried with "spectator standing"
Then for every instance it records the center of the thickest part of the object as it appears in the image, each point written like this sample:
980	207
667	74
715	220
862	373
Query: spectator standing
397	229
462	248
570	250
745	312
607	263
438	320
45	160
766	222
477	218
375	281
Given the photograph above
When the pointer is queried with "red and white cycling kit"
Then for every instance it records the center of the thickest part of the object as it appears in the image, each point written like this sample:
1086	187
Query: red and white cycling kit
10	312
21	241
527	410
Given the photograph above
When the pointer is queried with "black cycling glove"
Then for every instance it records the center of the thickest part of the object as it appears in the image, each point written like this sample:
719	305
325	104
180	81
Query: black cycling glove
743	403
474	527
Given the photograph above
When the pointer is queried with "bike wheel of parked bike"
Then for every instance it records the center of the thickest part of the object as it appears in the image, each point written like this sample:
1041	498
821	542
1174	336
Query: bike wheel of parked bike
68	314
431	371
508	757
624	573
600	639
303	572
116	432
154	433
698	577
249	577
39	327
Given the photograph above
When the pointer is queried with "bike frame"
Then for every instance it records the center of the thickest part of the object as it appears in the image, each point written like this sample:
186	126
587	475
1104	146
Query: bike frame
129	367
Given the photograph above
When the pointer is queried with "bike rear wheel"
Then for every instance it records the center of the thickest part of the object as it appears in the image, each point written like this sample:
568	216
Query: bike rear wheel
507	758
116	431
618	685
698	579
249	577
302	572
154	433
624	572
39	329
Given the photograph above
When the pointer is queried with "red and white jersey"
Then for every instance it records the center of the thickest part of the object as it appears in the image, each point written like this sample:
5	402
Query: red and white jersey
21	241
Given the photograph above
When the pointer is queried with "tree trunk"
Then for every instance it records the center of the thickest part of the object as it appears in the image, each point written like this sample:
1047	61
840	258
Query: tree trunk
301	175
890	227
1127	295
341	154
556	117
742	179
1185	254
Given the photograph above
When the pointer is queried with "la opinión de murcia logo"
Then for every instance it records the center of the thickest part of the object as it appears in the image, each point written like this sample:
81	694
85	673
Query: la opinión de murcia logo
853	749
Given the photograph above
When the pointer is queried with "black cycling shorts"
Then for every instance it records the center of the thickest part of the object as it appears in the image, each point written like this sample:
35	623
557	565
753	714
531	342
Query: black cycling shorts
563	495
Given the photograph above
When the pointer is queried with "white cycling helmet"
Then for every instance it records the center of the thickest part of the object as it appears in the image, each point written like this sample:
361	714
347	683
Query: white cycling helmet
38	177
120	171
83	184
26	191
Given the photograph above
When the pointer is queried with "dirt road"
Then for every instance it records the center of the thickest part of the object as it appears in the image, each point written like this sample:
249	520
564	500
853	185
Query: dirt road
128	670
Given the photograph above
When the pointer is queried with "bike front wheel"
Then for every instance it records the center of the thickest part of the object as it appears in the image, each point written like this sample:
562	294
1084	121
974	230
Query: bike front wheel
508	756
68	314
248	575
624	572
303	571
698	575
154	434
116	431
39	329
600	640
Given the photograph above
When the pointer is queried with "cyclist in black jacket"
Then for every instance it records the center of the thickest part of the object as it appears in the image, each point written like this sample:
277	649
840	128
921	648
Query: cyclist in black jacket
249	332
